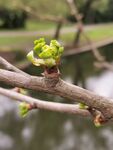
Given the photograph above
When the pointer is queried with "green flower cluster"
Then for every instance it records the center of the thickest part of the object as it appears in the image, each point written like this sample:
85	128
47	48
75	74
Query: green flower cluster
48	55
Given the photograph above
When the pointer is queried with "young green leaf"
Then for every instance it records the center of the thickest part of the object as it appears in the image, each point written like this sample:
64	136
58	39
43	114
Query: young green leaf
48	55
24	108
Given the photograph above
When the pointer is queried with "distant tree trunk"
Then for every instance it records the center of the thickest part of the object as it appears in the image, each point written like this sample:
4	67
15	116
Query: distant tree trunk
77	35
79	73
58	28
85	14
86	10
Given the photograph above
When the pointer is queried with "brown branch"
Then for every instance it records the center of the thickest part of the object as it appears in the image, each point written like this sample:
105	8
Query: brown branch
104	64
6	65
74	10
62	88
78	17
87	6
31	11
101	60
58	29
51	106
57	19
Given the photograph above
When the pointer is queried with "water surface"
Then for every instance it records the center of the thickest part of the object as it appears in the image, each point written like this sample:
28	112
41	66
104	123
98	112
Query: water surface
43	130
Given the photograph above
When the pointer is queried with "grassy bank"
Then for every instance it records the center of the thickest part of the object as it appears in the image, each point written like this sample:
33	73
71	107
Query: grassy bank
96	33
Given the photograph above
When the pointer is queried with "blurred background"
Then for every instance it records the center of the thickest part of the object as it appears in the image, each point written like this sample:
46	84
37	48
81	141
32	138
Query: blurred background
23	21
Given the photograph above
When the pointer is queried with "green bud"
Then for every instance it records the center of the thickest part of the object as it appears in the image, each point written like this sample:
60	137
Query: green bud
57	48
30	56
24	108
61	49
50	62
82	106
46	54
38	45
23	91
55	43
98	120
97	124
45	47
35	61
39	41
49	55
38	48
35	42
38	62
54	51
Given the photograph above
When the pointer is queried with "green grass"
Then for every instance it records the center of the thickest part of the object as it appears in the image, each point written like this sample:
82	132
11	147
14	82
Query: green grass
95	34
32	25
19	42
5	41
101	33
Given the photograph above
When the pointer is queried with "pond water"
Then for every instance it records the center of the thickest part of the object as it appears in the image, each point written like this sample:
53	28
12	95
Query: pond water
43	130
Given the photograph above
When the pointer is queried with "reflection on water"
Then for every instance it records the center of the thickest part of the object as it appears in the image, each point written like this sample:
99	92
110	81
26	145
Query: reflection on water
43	130
102	84
6	142
6	106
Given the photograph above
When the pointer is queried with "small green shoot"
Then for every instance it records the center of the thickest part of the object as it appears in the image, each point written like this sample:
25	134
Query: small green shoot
45	55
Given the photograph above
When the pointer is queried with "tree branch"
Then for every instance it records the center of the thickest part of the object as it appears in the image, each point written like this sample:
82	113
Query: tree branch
51	106
62	88
31	11
101	60
4	63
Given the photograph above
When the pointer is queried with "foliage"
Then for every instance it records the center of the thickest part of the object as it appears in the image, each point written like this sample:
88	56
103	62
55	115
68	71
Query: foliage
24	108
48	55
83	106
41	7
12	18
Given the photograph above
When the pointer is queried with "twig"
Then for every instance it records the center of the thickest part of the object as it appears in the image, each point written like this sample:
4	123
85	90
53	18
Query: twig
51	106
31	11
10	67
62	88
101	60
78	17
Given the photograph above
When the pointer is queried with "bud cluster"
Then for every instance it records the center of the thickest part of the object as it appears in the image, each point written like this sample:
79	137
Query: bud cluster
46	55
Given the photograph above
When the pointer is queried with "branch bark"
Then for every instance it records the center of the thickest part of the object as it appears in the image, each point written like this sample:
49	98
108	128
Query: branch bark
40	104
62	88
6	65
